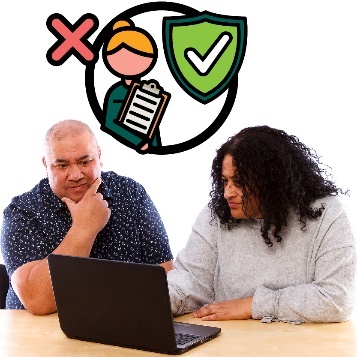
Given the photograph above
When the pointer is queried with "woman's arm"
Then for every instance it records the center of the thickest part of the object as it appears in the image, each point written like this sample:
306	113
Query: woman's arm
191	281
327	297
330	295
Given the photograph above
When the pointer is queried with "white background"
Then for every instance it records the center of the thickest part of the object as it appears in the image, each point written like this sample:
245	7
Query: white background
299	74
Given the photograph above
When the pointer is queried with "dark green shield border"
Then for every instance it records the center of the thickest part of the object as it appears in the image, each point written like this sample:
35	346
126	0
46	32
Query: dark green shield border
170	22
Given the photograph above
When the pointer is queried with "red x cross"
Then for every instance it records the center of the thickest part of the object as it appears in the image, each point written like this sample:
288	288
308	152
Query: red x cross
72	39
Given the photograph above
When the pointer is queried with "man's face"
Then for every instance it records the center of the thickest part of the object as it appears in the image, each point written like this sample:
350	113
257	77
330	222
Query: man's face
72	165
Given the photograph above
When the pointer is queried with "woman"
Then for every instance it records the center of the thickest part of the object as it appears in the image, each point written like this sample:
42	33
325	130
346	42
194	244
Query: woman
130	53
274	242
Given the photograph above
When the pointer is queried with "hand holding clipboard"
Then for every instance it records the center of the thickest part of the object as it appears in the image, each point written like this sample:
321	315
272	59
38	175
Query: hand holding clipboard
143	109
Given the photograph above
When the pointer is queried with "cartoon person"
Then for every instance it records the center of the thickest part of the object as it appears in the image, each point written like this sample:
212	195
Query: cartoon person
129	54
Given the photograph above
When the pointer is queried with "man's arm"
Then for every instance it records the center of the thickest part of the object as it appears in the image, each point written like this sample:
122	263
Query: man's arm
32	282
153	236
169	265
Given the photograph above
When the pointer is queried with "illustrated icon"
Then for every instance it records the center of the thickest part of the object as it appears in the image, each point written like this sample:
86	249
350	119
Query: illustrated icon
129	54
204	52
143	110
72	39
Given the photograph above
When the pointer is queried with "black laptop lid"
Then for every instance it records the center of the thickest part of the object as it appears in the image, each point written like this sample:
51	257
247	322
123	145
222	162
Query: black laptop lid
102	301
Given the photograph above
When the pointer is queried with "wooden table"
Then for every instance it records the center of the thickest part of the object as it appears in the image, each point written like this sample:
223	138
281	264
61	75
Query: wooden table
22	335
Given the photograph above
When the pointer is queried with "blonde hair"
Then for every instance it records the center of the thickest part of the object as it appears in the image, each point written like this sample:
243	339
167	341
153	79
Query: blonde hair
125	32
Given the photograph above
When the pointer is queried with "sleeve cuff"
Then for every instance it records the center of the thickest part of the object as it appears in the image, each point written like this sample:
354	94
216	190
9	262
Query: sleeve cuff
265	304
175	300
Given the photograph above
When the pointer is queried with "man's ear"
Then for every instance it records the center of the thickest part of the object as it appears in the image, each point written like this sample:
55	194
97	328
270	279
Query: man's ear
45	164
99	155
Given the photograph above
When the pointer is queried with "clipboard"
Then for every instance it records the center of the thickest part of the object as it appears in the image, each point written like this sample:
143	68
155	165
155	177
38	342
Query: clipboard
143	109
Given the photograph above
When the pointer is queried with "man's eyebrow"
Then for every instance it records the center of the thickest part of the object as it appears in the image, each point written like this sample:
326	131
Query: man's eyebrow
57	161
83	157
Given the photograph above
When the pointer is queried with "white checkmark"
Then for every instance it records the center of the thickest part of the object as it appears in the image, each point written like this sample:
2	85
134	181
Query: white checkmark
204	64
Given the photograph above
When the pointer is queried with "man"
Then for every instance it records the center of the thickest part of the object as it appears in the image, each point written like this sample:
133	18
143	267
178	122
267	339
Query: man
77	210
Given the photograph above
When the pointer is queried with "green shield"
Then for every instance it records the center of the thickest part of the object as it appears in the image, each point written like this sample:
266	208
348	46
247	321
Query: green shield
204	52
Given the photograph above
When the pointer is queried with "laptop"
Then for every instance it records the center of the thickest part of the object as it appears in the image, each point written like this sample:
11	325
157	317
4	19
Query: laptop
120	303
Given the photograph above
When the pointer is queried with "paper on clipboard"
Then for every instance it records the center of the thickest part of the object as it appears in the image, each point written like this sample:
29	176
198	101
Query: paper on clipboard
144	108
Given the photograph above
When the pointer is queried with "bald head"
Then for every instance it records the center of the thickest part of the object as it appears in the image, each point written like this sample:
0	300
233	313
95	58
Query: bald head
67	128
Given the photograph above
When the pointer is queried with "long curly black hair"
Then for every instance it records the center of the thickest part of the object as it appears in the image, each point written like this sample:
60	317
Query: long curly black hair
280	170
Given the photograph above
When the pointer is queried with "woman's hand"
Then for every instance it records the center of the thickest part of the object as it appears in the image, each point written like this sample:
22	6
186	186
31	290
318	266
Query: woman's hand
240	309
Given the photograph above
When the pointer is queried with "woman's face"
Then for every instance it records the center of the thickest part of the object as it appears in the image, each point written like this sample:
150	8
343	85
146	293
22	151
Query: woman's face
129	64
234	194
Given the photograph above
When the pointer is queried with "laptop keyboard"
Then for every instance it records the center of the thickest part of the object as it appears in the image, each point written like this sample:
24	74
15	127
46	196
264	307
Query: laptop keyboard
183	338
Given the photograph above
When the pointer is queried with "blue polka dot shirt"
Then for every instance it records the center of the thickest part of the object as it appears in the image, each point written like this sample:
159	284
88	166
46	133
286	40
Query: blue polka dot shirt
35	223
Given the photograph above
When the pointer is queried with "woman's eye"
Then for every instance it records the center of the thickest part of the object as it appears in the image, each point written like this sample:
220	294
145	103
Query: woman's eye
224	182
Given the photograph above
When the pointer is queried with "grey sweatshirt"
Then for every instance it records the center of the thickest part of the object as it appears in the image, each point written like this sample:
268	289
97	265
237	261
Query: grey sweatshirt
309	276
